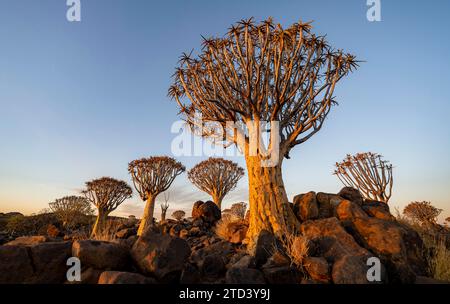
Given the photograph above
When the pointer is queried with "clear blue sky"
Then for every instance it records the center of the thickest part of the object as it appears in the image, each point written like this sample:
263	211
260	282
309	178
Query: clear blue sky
80	100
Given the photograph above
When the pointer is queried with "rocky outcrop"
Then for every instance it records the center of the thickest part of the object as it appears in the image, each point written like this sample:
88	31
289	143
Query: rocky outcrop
101	254
160	255
206	211
305	206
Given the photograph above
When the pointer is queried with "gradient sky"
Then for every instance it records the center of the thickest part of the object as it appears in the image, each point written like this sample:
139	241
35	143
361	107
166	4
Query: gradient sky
80	100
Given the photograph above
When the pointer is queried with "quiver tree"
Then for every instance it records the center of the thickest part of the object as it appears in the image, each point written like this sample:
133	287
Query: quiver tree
71	209
151	176
216	176
261	73
238	209
178	215
422	212
164	206
368	173
106	194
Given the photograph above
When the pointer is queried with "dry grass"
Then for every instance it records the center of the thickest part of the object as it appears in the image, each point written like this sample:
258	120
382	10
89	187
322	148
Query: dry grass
296	247
108	231
221	228
436	253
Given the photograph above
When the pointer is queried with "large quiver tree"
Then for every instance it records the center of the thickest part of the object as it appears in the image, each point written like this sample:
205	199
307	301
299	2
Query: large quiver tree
262	72
216	176
151	176
106	194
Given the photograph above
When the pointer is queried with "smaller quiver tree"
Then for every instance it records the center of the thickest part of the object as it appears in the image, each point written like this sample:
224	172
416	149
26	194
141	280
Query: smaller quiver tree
70	210
106	194
164	206
422	212
216	176
178	215
368	173
151	176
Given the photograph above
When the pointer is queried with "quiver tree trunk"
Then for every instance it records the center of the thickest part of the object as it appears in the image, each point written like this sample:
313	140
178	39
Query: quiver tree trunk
217	200
147	218
163	215
100	223
269	206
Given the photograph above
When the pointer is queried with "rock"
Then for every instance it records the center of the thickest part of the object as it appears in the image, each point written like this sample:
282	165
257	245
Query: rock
194	231
208	211
118	277
378	209
331	239
53	231
212	266
236	231
49	261
353	270
101	254
190	275
352	195
126	233
264	248
247	261
238	275
327	203
223	249
15	265
28	240
317	268
399	247
277	259
426	280
347	211
89	276
184	233
282	275
160	255
305	206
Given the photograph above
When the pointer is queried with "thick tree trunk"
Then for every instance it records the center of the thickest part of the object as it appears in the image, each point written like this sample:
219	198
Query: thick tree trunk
217	199
269	206
147	218
100	223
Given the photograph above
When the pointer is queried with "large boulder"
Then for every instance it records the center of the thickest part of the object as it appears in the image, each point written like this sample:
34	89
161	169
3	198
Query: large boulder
236	231
118	277
317	268
353	270
160	255
399	247
264	247
15	265
331	239
49	261
305	206
207	211
101	254
347	211
239	275
377	209
352	195
327	203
